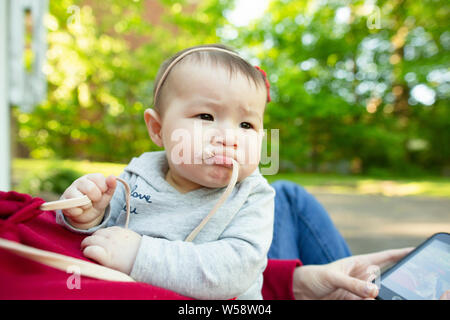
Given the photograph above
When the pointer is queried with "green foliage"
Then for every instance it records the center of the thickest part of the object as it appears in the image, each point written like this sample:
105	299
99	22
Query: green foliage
34	175
98	88
54	181
342	90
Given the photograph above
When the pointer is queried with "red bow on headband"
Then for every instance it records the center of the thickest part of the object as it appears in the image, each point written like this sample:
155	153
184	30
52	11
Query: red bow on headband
266	81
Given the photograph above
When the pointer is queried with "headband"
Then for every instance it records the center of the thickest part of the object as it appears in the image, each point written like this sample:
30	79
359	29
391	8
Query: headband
184	54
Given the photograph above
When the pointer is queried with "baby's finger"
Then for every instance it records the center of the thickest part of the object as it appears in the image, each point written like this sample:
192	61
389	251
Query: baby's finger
106	197
94	240
105	232
99	180
89	188
111	183
72	212
70	193
97	253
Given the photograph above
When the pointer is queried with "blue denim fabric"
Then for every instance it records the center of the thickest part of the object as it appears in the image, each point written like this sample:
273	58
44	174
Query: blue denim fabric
303	229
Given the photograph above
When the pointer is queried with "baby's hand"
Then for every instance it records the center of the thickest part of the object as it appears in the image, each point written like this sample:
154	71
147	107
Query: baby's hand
113	247
99	190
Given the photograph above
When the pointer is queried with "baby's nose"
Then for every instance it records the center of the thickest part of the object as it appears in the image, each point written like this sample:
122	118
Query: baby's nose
227	140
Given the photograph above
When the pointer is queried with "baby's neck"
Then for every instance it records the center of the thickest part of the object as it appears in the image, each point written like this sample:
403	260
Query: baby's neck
180	184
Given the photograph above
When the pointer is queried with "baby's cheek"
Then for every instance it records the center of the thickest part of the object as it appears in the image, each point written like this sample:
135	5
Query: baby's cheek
246	170
249	152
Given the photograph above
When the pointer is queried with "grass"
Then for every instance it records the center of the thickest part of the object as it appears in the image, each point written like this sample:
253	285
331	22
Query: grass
26	169
28	174
332	183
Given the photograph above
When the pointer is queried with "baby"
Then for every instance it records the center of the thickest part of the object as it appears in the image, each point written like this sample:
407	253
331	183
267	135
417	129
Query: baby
213	101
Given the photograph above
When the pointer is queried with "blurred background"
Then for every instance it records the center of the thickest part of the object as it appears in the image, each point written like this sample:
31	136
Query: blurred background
360	93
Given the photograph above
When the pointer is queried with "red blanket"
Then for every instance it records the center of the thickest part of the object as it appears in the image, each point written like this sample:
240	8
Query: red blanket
20	278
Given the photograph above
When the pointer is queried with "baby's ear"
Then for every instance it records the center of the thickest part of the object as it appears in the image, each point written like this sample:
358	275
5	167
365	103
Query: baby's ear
153	122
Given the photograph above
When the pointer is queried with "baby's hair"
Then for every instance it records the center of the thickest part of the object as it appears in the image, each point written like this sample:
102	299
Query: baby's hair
216	53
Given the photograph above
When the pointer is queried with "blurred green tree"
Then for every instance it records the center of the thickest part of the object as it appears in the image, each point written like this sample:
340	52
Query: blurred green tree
98	85
357	86
364	83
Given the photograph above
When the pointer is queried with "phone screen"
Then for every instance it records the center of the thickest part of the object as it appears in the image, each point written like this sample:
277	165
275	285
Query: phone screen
426	275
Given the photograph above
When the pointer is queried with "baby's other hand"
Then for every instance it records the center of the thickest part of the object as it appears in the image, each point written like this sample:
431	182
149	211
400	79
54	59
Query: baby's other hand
113	247
99	190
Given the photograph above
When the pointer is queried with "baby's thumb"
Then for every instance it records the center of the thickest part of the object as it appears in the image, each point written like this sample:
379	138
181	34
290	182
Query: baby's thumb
111	183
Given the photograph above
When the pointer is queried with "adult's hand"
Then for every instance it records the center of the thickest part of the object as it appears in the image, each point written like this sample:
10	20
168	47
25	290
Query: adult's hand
345	279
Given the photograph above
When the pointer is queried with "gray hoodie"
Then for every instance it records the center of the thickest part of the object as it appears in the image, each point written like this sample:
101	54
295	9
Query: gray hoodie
228	256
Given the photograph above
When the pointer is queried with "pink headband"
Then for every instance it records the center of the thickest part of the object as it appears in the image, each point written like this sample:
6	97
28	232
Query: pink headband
184	54
266	81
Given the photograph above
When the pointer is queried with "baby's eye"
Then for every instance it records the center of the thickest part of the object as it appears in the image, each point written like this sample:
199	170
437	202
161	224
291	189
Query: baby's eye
205	116
246	125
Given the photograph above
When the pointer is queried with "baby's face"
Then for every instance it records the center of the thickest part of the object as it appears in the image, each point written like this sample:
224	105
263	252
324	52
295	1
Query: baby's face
209	118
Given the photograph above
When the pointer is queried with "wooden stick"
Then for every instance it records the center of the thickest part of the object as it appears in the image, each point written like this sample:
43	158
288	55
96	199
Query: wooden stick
65	204
62	262
83	201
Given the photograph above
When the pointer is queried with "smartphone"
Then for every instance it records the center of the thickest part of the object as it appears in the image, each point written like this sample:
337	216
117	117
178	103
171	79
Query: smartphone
424	274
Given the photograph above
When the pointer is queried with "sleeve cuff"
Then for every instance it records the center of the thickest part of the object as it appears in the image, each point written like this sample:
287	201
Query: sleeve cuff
278	279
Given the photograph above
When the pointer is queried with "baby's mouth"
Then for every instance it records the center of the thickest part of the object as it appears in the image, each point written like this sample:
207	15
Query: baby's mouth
220	160
210	157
